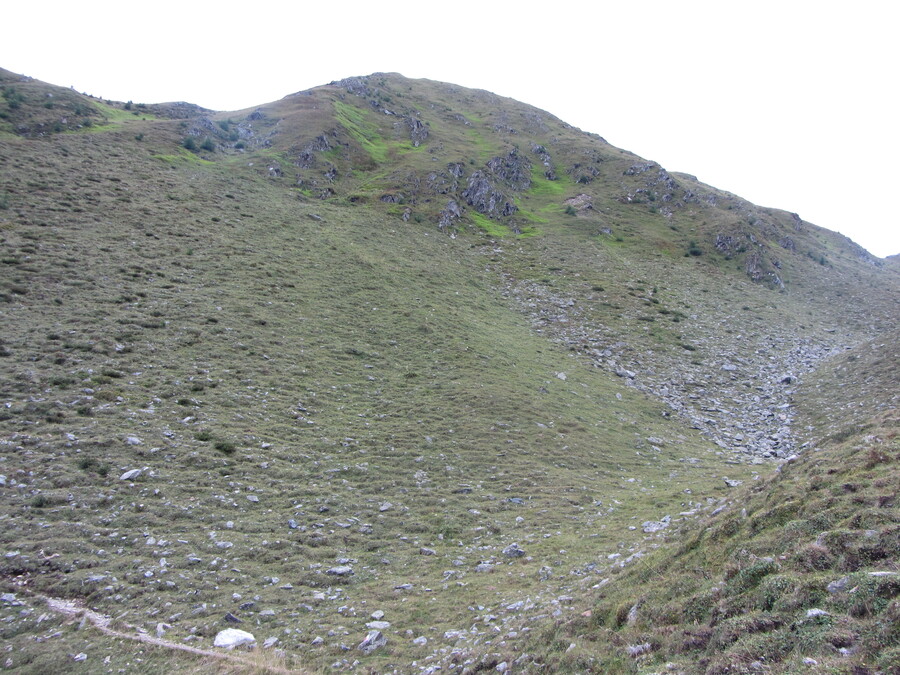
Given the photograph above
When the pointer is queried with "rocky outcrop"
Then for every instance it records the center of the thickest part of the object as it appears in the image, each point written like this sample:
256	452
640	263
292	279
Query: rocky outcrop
787	243
758	270
418	132
358	86
306	158
513	169
580	202
544	156
487	189
449	214
485	198
658	184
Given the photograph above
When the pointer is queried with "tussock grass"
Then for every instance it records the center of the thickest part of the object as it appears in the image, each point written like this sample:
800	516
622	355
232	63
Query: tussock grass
243	325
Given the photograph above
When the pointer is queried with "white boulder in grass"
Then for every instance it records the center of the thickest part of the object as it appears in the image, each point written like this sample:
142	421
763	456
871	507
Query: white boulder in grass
232	637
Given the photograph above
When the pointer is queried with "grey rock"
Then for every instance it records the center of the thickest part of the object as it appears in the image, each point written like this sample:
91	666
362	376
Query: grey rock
130	475
373	640
485	198
340	571
513	551
651	526
270	642
231	618
838	585
427	551
636	650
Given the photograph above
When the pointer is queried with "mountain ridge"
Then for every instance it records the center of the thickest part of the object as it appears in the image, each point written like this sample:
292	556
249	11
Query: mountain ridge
343	394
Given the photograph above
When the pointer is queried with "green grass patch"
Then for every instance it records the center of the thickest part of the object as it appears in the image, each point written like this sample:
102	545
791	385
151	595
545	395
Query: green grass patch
359	125
489	226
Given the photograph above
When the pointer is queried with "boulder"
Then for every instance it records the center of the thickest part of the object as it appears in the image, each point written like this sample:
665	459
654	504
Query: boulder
514	551
373	640
233	637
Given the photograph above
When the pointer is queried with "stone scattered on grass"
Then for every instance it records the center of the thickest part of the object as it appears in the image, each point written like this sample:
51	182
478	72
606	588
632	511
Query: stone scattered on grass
340	571
373	640
513	551
233	637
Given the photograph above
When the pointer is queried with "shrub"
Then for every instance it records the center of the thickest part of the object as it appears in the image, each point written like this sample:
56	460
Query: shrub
208	144
225	447
189	143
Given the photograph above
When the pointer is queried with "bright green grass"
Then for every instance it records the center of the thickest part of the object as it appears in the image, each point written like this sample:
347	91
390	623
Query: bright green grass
362	129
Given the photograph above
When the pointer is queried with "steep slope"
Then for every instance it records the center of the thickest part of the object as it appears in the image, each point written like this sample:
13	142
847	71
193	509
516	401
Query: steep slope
385	345
799	573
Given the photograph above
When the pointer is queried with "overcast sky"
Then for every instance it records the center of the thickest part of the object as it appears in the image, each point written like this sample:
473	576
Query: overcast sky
791	104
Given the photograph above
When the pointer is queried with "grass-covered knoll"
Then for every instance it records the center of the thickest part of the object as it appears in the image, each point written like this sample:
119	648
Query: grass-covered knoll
35	109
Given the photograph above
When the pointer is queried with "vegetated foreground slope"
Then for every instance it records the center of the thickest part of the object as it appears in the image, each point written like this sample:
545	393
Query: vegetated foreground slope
799	573
384	346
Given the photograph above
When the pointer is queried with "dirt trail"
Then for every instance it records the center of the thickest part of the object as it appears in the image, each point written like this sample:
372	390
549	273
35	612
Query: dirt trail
102	623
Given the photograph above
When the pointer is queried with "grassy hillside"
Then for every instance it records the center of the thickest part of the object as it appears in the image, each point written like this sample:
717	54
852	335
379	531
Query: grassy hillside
345	396
799	573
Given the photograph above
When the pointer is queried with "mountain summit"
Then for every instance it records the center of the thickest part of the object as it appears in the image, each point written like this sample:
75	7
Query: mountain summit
403	376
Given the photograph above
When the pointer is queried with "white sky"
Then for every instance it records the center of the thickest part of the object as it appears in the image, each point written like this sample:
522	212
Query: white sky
788	103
